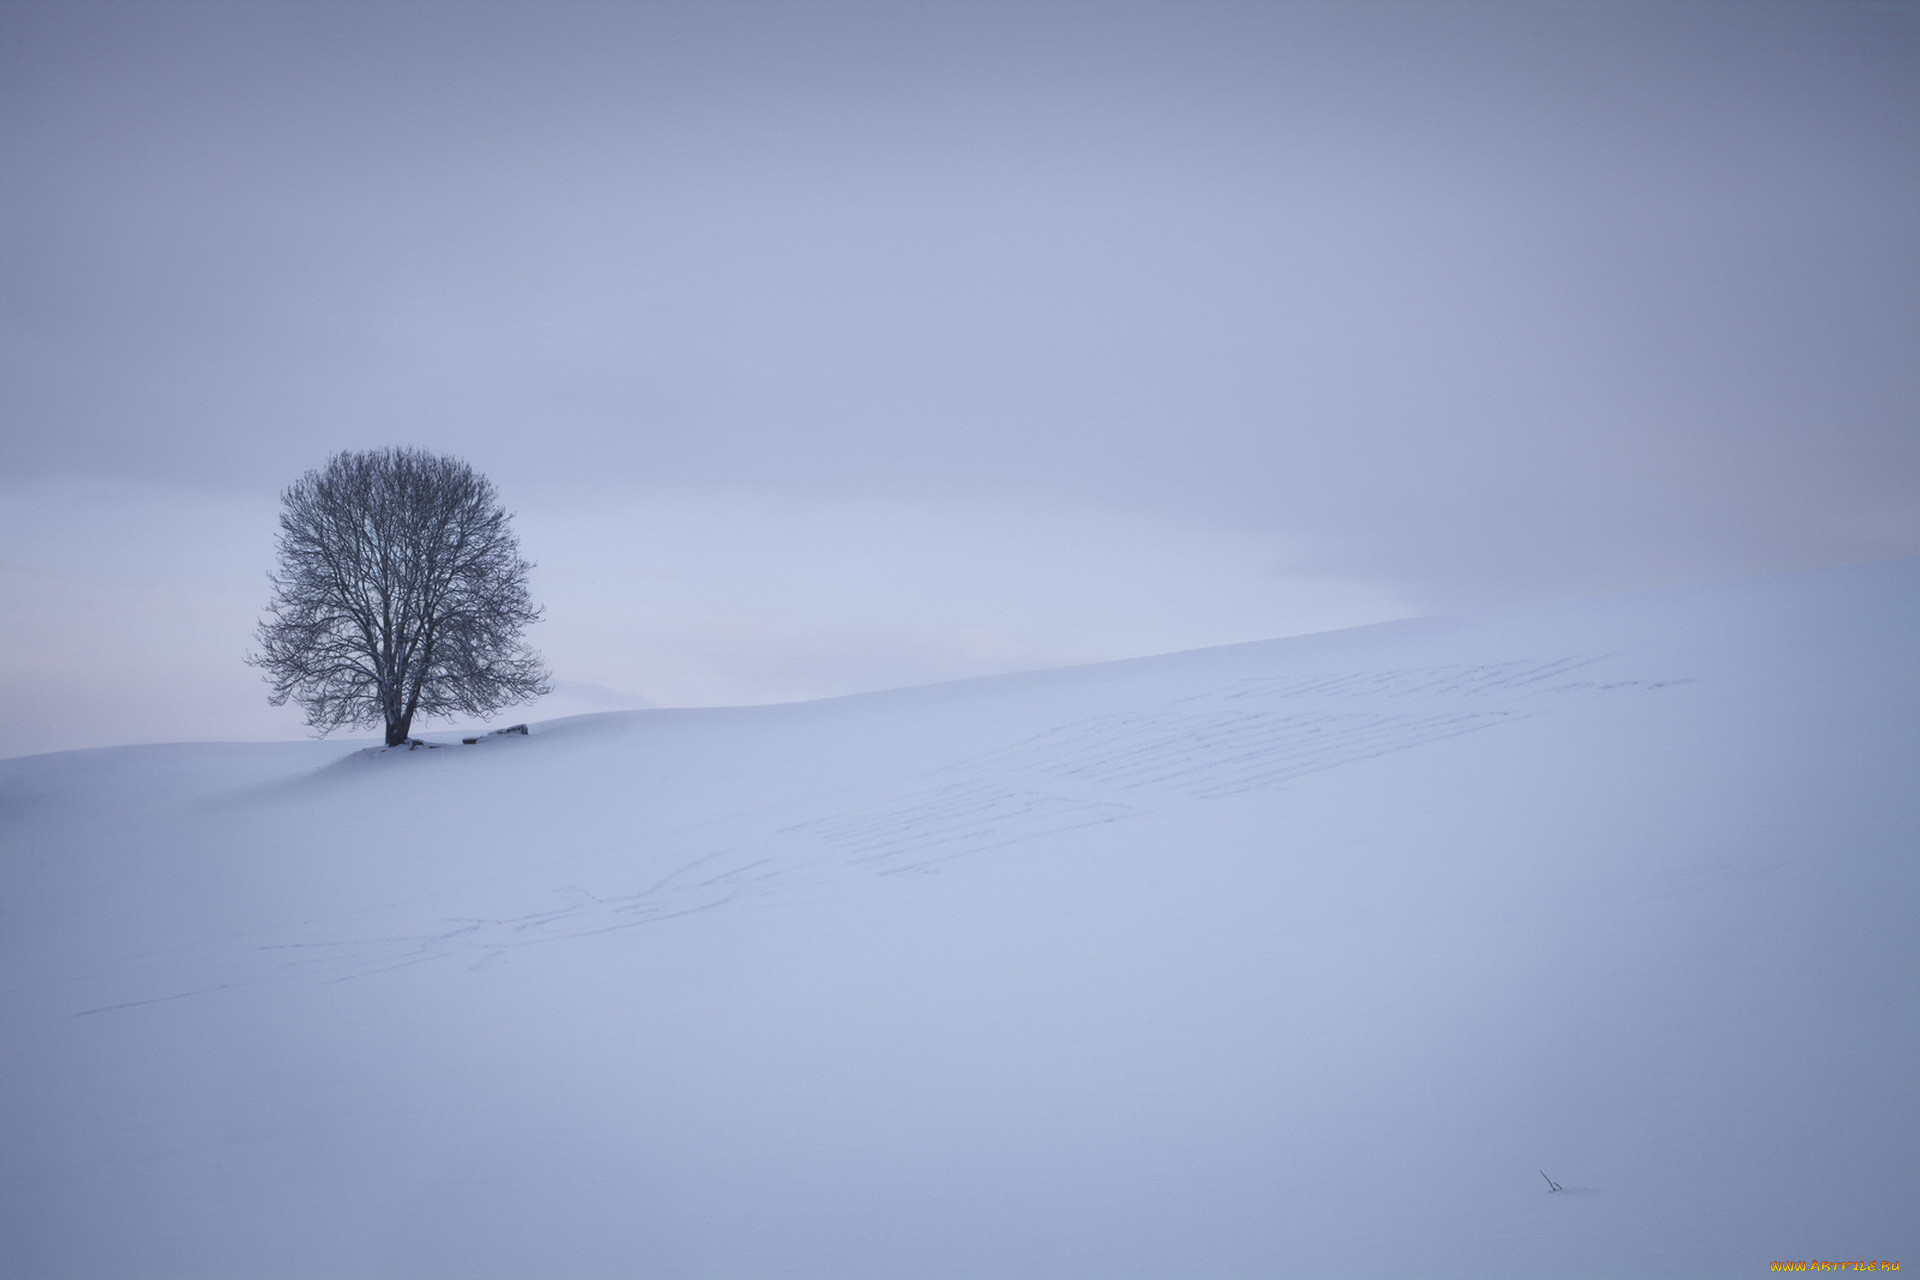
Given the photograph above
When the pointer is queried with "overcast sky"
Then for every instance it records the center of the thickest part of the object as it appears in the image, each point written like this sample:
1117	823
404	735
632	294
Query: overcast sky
829	346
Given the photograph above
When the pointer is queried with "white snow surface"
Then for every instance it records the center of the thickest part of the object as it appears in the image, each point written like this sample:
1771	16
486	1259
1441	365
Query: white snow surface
1299	958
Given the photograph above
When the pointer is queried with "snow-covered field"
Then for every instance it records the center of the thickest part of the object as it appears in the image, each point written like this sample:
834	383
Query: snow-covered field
1302	958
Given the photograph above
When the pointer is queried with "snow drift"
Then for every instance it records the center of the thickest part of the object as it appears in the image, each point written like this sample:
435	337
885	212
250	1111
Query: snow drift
1310	957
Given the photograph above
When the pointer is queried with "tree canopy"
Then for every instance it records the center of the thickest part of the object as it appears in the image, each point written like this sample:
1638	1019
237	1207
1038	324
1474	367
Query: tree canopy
400	593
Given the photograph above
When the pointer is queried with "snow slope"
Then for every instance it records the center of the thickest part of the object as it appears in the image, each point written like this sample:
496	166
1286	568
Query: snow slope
1302	958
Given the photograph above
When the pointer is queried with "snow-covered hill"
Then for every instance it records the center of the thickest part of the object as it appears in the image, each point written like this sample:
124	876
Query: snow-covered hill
1307	958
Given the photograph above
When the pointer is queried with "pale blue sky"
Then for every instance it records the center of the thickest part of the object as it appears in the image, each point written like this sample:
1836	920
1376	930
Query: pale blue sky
832	346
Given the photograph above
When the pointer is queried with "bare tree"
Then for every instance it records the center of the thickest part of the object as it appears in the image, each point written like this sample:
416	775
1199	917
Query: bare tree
400	593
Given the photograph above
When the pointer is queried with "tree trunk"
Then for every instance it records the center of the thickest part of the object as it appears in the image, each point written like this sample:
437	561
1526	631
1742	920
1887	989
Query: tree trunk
398	730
